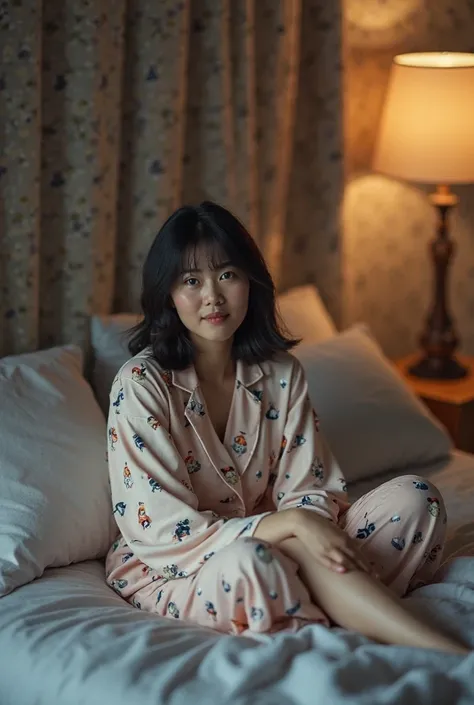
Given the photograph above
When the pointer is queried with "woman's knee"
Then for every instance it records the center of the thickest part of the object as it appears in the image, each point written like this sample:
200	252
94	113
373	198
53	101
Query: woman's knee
246	550
418	495
251	554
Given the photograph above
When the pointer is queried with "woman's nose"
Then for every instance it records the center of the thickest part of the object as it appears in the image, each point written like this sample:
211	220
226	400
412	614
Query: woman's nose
212	294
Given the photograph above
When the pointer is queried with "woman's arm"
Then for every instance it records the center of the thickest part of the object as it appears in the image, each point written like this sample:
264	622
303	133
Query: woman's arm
307	475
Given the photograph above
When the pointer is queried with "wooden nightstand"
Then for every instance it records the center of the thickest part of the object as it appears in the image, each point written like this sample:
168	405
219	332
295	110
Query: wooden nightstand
452	402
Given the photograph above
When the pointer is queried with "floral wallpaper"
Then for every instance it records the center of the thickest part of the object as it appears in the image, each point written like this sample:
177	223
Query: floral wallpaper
115	112
388	224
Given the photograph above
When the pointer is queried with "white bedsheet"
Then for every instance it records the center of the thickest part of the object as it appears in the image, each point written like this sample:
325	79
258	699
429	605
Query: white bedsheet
67	639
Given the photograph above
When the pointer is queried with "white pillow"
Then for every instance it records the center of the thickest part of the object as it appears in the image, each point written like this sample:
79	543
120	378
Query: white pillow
55	505
301	309
305	315
372	420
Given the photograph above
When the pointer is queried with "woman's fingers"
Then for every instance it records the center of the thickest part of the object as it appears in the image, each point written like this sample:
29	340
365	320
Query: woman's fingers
351	559
355	555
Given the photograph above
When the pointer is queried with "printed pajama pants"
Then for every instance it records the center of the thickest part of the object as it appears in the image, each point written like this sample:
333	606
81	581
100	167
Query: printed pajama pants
251	586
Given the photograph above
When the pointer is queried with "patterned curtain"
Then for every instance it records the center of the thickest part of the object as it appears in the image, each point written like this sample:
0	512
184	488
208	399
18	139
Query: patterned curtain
114	112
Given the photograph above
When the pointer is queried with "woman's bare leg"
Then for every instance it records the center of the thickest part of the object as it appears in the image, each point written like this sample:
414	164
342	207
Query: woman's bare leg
356	601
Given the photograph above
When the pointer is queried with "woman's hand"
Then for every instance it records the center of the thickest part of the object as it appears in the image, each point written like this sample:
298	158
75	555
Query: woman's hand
328	543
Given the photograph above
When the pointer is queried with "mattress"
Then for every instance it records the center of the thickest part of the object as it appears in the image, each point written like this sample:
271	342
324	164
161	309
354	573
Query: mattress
68	639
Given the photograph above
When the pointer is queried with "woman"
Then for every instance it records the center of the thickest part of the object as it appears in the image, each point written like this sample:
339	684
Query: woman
232	511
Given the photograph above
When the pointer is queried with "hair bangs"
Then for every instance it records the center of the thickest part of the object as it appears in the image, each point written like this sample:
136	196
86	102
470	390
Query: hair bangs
219	245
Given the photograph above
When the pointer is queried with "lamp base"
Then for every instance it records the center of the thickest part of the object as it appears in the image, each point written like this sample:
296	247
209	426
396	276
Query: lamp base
438	368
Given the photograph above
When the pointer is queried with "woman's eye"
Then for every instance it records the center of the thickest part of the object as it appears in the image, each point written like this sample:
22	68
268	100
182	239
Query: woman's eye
228	275
192	281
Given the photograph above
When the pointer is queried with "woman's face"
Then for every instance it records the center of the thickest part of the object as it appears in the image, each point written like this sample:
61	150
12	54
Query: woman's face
211	301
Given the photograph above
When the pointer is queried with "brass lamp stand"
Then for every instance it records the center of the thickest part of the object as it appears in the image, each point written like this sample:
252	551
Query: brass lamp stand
439	339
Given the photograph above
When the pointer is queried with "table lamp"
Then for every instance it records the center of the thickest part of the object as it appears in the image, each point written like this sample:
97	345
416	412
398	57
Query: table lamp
427	135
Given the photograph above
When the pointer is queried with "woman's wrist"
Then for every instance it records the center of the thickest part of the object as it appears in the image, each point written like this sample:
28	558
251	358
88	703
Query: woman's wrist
277	526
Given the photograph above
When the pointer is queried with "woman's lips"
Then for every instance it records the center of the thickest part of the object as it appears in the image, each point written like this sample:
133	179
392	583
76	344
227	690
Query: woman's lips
216	318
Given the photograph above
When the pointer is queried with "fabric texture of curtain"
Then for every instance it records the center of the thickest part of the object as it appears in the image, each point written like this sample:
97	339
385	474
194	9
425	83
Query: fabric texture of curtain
114	112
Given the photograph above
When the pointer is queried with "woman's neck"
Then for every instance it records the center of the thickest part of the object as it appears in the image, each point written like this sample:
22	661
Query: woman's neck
213	363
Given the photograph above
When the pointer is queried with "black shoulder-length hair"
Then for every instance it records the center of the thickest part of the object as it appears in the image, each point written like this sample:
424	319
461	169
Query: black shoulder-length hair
259	337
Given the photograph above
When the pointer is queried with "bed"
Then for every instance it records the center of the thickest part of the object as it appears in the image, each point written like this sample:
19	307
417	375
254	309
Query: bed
66	638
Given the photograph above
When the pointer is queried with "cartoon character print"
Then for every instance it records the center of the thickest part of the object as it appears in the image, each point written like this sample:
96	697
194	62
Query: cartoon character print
210	609
192	465
271	459
119	585
283	383
433	506
272	413
317	470
126	557
139	442
173	610
420	485
115	545
181	530
120	508
170	571
155	486
139	373
120	397
315	420
298	441
306	501
256	613
294	608
153	422
257	394
113	437
230	475
196	407
433	554
342	482
167	378
226	586
143	518
398	542
417	537
366	530
127	477
239	446
263	553
284	441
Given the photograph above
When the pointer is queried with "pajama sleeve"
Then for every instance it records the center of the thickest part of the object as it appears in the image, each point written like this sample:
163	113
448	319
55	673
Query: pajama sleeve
154	505
308	476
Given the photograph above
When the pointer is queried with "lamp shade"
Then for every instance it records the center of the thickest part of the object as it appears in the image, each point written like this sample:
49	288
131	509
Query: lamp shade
427	127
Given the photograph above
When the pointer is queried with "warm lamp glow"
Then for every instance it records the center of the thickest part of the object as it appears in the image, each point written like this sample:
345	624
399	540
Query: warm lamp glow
427	127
